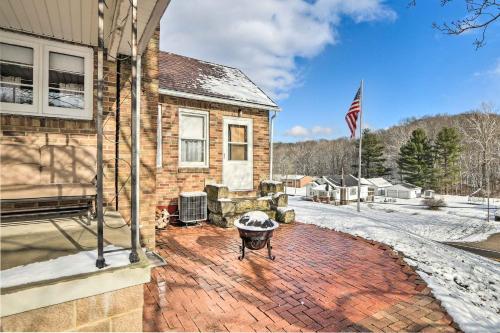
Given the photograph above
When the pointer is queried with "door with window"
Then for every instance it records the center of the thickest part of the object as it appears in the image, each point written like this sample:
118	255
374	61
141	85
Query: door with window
237	166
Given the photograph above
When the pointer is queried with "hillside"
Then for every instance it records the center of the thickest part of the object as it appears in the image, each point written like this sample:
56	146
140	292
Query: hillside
479	141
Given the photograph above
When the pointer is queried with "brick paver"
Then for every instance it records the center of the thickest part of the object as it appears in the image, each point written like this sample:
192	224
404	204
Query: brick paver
321	280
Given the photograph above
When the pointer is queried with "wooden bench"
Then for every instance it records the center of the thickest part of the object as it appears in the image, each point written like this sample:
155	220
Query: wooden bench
46	180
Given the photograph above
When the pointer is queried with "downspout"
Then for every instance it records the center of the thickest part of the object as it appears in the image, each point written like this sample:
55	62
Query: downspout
117	134
271	134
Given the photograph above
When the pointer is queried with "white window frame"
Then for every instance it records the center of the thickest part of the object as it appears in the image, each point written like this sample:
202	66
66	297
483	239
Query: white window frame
41	51
33	109
197	113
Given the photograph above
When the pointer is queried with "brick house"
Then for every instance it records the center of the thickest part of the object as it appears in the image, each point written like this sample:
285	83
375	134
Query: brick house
193	123
214	128
54	57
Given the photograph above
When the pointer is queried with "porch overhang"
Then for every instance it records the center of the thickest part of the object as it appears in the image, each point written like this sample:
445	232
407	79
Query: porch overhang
204	98
76	21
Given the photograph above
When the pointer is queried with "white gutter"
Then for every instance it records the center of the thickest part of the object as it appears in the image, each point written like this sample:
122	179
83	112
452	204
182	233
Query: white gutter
271	143
204	98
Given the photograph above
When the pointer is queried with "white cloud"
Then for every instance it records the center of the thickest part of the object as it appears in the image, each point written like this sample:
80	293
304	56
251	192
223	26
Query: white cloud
263	38
321	131
493	71
306	133
297	132
496	69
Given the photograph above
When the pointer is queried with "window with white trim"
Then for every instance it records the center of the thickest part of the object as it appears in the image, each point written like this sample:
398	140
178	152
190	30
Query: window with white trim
45	78
16	74
193	138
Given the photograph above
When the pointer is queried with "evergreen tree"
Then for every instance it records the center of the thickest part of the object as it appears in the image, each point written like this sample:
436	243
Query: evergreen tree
372	156
447	153
415	160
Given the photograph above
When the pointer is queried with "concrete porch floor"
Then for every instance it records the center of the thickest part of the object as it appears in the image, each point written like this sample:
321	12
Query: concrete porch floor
321	280
25	242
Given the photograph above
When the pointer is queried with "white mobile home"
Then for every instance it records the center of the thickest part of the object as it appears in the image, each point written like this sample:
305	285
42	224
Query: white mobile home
403	191
378	185
331	187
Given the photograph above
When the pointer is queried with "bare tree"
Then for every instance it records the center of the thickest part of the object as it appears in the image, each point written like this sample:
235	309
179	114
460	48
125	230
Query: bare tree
482	130
480	15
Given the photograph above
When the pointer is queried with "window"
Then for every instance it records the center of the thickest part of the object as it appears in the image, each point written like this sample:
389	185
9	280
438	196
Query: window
193	138
66	81
45	78
16	74
238	143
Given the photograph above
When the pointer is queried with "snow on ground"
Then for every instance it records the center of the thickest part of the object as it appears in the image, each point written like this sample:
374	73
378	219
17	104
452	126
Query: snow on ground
458	222
295	190
74	264
467	285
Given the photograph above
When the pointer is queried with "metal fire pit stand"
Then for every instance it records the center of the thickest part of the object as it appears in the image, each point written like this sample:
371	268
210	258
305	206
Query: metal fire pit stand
255	239
243	246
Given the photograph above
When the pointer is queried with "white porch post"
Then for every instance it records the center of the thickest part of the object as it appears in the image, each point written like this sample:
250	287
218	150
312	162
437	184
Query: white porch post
100	262
134	225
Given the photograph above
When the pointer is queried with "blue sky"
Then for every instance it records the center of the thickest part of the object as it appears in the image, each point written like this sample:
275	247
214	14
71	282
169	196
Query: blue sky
409	68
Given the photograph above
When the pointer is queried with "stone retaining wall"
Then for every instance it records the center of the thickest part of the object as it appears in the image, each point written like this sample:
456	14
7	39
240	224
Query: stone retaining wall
224	210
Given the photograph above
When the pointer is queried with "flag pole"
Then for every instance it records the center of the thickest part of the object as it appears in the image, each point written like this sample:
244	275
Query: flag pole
360	144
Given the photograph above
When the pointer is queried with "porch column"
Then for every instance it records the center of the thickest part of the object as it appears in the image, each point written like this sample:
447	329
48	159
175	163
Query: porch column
134	224
100	262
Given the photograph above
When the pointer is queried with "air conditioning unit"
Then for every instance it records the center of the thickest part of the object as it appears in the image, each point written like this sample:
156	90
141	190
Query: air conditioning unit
192	207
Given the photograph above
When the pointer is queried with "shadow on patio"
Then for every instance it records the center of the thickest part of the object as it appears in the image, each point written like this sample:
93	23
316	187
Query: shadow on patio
321	280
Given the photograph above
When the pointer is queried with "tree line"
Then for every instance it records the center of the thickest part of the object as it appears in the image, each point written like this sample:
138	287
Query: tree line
450	154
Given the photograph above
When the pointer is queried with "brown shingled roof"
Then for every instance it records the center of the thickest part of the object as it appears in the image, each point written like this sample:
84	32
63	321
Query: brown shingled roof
188	75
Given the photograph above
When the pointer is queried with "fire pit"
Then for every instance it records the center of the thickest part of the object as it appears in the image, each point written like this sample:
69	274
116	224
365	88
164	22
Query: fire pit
256	230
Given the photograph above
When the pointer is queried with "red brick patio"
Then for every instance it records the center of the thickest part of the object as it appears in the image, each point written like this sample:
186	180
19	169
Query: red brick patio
321	280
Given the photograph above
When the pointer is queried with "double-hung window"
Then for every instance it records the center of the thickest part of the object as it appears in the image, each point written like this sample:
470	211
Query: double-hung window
45	78
193	138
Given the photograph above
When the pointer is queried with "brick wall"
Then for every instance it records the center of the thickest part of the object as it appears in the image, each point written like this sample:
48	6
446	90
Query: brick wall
171	180
116	311
40	131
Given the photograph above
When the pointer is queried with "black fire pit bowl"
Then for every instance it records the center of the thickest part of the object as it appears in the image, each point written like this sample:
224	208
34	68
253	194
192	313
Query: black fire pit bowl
256	230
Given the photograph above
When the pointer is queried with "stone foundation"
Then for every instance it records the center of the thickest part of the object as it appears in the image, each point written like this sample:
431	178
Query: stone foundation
224	210
116	311
270	187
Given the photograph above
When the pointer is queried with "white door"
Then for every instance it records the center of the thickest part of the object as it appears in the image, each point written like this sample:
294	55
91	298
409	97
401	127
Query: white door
237	162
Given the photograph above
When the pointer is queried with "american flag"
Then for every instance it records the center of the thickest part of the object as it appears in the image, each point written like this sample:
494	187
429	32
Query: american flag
352	115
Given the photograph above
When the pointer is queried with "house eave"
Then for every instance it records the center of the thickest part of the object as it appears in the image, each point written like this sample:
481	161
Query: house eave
204	98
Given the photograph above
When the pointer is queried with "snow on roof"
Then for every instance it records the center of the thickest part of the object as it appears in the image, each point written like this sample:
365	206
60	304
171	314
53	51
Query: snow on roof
404	186
276	182
187	75
364	181
292	177
379	182
410	186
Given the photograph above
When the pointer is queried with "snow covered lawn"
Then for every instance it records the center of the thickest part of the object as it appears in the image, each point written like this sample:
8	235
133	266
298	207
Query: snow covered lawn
301	191
458	222
467	285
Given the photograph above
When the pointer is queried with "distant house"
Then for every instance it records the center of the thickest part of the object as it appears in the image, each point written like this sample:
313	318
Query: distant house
332	186
403	191
297	181
378	185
